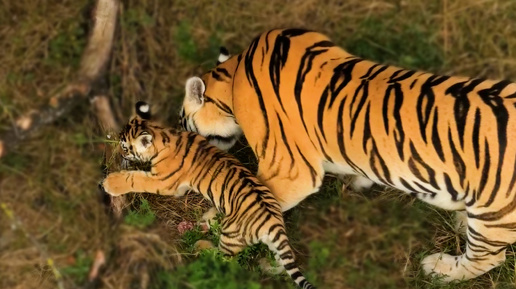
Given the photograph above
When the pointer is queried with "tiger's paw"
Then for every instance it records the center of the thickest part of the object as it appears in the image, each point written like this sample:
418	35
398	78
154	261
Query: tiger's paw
445	265
361	184
267	266
113	184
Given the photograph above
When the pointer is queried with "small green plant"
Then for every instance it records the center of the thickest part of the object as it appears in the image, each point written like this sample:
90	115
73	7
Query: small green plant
141	218
210	270
79	270
67	46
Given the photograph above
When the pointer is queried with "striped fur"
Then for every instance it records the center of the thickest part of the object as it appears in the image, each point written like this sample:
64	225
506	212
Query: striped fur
307	107
182	161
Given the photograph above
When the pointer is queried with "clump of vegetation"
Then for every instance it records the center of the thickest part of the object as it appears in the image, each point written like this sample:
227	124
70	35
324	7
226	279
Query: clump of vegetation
142	217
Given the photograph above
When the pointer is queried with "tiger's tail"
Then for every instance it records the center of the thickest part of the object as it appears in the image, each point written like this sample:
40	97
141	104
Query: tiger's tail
280	243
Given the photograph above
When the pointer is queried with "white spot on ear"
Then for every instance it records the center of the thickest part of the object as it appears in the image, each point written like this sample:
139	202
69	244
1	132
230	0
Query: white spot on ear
222	58
144	108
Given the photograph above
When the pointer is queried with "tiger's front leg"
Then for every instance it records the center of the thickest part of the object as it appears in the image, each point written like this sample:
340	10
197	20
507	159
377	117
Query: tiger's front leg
123	182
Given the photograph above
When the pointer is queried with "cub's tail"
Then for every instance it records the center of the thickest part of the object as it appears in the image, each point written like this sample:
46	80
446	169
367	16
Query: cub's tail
279	241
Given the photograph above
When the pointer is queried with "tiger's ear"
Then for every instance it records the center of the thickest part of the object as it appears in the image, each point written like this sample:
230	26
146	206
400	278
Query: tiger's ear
143	110
195	91
143	142
223	56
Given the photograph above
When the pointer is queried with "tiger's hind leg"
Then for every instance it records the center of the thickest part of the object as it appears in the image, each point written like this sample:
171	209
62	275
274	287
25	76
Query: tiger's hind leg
485	250
290	191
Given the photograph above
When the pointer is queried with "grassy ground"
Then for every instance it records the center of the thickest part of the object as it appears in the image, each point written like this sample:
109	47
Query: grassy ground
344	240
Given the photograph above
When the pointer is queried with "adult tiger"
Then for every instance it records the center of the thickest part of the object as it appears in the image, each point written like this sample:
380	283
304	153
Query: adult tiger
307	107
182	161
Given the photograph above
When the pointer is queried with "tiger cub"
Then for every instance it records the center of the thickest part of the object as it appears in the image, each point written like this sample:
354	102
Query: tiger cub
183	161
307	107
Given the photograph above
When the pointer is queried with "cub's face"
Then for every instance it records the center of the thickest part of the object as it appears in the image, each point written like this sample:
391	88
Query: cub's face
136	142
204	114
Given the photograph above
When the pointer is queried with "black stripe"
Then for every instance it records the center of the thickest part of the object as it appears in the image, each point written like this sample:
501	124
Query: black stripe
491	97
416	158
449	187
377	163
278	58
223	71
321	110
436	139
354	113
248	62
313	173
476	137
460	166
342	75
425	102
305	67
285	142
367	128
292	32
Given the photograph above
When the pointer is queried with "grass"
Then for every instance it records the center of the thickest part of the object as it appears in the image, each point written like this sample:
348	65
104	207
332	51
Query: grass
374	239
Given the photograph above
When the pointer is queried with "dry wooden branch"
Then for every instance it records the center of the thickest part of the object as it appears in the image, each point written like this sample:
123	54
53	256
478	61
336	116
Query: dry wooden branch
109	126
93	64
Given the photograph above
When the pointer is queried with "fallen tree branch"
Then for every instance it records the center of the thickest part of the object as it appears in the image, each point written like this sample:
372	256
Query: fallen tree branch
93	65
109	127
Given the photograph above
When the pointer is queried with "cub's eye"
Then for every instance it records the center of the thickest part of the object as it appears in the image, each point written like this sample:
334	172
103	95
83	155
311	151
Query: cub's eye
124	148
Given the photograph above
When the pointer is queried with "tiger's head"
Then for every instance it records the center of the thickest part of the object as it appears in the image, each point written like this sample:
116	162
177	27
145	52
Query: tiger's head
136	138
207	106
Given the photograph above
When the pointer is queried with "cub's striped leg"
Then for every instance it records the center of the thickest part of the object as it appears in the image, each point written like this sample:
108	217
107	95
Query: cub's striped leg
232	239
485	250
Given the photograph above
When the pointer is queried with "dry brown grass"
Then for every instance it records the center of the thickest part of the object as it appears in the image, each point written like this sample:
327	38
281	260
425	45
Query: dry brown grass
50	182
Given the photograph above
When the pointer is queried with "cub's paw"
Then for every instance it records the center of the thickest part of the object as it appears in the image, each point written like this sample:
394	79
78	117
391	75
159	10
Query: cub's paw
203	245
113	184
208	217
270	268
445	265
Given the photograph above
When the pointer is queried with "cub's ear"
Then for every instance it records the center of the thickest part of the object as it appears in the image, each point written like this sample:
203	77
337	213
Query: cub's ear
195	91
143	110
223	56
143	142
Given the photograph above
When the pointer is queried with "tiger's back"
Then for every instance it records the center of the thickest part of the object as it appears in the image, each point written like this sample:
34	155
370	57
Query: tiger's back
307	107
